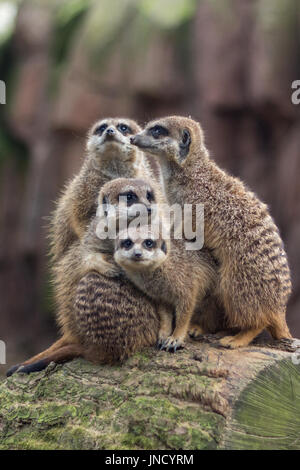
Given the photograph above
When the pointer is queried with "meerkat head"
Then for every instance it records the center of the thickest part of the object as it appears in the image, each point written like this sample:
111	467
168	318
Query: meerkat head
110	135
140	249
127	197
173	138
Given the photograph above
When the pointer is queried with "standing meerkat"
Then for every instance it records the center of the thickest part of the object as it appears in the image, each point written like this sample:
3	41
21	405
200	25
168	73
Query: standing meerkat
109	155
176	279
254	284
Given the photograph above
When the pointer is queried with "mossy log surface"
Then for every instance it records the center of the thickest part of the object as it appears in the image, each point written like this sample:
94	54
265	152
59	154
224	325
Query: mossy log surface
202	397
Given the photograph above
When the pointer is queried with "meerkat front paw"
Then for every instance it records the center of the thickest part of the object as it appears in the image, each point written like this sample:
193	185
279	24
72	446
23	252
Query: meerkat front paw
195	331
172	344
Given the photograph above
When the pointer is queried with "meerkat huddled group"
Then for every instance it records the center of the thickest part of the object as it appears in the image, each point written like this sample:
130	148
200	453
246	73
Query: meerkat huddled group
117	295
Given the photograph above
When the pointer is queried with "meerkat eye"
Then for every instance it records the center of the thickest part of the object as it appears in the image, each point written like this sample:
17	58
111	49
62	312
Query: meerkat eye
131	197
150	196
99	130
149	243
124	129
158	131
127	244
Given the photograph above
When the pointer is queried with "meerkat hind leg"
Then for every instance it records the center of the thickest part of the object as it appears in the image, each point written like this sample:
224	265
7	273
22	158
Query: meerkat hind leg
241	339
279	328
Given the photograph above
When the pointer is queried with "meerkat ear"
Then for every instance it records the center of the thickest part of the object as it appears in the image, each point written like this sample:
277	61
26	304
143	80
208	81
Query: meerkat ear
184	145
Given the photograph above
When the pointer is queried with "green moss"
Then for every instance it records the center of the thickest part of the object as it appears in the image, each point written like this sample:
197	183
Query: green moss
81	406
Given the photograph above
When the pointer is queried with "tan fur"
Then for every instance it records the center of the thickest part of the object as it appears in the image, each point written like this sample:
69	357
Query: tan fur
104	161
104	319
109	316
255	280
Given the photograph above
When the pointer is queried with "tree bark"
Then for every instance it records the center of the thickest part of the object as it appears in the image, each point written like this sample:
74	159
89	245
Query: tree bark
202	397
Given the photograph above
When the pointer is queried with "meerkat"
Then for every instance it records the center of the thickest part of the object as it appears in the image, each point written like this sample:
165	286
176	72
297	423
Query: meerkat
254	276
137	192
170	275
109	155
106	318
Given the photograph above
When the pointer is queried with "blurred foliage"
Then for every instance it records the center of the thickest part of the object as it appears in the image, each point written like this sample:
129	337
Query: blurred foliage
10	147
104	23
169	13
8	12
132	23
67	19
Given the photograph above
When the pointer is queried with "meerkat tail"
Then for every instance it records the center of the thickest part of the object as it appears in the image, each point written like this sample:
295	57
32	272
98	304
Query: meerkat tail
59	356
62	342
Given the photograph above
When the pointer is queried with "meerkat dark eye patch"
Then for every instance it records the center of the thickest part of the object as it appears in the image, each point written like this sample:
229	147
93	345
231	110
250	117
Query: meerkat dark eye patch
127	244
149	243
124	129
184	146
158	131
164	247
100	129
150	196
130	196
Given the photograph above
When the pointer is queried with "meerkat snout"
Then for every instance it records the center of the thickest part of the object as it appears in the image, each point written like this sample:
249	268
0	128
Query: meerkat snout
110	132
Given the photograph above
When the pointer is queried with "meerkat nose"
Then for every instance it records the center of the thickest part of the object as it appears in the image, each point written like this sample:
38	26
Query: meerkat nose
110	131
149	210
132	140
137	254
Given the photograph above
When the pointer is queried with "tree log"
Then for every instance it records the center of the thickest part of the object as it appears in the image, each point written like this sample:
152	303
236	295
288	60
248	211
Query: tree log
202	397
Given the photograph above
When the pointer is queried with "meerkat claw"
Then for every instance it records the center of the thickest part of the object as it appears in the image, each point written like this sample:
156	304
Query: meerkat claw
171	345
159	343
